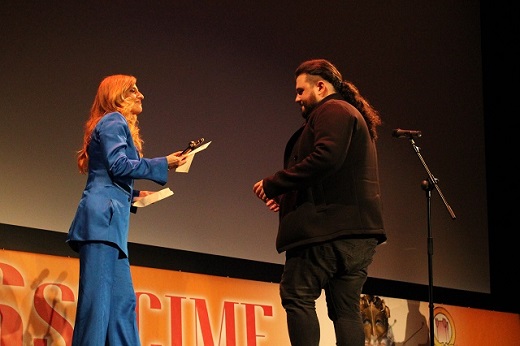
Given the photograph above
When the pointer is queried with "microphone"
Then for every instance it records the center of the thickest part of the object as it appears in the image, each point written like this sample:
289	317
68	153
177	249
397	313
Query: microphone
192	145
399	133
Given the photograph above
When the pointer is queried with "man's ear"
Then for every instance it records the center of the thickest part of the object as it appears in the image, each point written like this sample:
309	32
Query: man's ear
322	87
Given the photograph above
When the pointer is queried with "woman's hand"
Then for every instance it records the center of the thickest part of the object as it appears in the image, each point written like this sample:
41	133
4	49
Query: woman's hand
141	195
176	159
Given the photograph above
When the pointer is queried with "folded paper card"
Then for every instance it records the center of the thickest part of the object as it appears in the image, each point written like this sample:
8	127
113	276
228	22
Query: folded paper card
152	198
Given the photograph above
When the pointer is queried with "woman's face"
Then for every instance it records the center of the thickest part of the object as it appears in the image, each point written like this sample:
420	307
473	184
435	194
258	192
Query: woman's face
134	96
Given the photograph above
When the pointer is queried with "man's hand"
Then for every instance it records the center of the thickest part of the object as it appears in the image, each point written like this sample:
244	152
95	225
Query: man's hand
258	189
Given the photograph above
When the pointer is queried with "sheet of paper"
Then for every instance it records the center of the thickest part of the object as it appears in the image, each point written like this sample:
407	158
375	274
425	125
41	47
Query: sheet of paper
186	167
154	197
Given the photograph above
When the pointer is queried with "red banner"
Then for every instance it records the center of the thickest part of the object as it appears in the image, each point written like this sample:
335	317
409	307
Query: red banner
38	295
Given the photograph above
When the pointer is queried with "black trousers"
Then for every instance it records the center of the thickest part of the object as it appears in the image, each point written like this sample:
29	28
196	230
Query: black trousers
339	268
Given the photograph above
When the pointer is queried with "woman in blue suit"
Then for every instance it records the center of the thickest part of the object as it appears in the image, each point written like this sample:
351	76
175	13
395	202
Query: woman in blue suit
112	157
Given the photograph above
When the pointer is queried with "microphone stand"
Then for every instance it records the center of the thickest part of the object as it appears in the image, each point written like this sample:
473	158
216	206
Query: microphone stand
428	185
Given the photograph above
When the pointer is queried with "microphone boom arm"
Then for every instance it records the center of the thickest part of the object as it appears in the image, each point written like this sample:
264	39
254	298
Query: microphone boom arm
432	180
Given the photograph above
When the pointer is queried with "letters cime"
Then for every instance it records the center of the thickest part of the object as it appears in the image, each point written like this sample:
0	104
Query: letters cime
163	319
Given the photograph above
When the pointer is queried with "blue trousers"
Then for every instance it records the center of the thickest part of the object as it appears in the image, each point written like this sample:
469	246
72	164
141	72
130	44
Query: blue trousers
339	268
105	313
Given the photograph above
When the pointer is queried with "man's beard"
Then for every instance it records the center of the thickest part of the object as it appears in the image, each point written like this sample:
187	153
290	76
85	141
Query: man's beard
308	107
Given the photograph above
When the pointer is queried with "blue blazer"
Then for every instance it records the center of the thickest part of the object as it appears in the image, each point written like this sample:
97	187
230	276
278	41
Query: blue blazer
103	213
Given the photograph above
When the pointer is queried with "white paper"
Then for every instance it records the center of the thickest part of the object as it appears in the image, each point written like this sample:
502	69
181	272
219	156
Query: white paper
154	197
186	167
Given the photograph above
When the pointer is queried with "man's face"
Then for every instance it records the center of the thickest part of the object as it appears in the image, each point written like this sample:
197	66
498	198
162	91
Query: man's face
305	94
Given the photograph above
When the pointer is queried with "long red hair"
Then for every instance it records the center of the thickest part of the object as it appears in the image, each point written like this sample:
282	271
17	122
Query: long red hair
110	97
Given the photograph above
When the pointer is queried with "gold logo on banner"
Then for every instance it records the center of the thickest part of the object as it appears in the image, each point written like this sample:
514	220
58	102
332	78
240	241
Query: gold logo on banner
444	327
